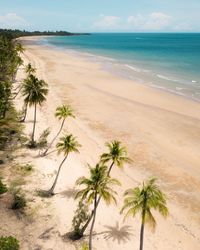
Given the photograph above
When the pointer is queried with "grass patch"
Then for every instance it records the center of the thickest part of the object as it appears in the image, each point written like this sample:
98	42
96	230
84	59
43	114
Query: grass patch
9	243
3	188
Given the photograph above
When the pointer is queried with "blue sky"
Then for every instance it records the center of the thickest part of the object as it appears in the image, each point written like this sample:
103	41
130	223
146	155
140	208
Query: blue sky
102	15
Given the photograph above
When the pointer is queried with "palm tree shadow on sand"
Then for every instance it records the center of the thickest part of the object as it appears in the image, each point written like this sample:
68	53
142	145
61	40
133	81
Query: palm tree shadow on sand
116	233
70	193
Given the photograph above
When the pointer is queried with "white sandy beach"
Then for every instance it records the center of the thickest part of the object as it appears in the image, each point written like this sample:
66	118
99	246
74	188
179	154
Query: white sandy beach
160	130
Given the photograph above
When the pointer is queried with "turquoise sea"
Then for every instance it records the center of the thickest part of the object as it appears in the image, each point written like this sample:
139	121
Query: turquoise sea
162	60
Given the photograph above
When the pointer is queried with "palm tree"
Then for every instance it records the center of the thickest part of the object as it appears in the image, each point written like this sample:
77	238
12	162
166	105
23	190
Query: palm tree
29	69
66	145
117	155
35	92
97	185
62	112
143	200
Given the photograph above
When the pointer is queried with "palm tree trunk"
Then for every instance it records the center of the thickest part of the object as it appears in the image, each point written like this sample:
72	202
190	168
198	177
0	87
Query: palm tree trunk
55	181
141	236
25	113
110	168
93	221
45	152
143	222
34	123
92	213
17	93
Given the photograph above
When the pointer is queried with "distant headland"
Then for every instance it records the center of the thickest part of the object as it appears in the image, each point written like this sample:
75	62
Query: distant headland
19	33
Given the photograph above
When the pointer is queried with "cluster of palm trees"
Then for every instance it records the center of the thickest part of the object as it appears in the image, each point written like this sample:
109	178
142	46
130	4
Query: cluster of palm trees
99	185
138	200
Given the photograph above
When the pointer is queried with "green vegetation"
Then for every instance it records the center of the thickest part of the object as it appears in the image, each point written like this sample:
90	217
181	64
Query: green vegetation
9	62
99	184
117	155
42	141
19	33
84	246
80	217
9	243
19	201
3	188
143	200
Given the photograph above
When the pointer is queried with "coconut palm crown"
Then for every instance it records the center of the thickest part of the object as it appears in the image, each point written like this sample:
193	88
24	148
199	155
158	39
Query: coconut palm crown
117	155
98	183
62	112
67	144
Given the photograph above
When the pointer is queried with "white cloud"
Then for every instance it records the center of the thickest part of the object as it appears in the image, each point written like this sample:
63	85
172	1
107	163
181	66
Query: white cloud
107	22
136	21
153	22
12	20
157	21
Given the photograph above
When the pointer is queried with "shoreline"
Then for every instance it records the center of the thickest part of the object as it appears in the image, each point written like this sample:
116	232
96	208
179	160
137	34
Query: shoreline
161	131
149	77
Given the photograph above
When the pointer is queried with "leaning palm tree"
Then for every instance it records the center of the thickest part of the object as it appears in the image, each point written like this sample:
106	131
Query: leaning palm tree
143	200
99	184
62	112
67	144
117	155
35	92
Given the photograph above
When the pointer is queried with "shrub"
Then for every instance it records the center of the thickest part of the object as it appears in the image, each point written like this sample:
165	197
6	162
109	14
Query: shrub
3	188
84	246
42	141
19	201
9	243
26	169
80	217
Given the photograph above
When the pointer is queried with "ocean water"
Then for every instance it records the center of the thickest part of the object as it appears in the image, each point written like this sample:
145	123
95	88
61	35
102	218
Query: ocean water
167	61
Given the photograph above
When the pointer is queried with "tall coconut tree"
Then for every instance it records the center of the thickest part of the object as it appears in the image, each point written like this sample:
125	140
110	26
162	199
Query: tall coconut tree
99	184
62	112
34	91
117	155
142	200
67	144
30	70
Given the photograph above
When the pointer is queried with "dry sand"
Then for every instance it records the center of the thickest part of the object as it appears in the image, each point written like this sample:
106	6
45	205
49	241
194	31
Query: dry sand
160	130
